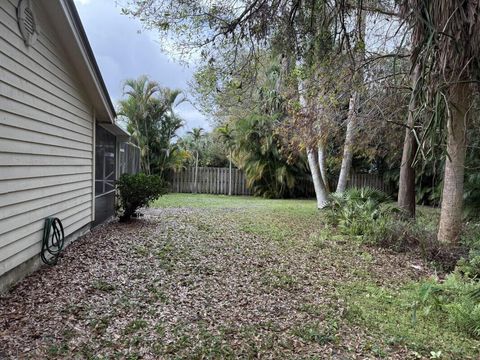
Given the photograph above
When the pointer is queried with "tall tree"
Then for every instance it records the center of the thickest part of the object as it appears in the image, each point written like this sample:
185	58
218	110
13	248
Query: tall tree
139	91
313	44
150	118
447	38
358	58
197	135
226	134
406	185
164	124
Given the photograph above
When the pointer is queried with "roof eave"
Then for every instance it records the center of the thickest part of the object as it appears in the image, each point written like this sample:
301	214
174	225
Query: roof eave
83	44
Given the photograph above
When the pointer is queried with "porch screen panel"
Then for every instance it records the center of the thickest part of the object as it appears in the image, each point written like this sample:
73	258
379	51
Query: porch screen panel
105	149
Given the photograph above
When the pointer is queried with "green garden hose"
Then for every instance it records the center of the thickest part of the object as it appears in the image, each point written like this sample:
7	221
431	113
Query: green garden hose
53	240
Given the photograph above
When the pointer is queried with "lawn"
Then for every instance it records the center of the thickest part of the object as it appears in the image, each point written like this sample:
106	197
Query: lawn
225	277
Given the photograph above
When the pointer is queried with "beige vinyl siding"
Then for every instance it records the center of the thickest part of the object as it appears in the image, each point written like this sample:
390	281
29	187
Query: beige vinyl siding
46	143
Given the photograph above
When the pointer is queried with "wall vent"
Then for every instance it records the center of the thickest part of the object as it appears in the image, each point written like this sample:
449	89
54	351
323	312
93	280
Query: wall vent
27	22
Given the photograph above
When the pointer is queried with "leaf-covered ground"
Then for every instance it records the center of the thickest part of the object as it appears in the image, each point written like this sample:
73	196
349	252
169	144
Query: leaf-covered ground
219	277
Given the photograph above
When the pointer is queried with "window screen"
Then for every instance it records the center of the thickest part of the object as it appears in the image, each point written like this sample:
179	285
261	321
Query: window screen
104	161
129	158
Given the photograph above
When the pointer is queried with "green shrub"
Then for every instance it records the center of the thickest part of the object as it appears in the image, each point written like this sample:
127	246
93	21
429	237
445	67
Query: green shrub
368	215
456	299
136	191
469	264
357	212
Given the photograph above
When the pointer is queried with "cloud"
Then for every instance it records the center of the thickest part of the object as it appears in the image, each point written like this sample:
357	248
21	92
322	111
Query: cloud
83	2
123	52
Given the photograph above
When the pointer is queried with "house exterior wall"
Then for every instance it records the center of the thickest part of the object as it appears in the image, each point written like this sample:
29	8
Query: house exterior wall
46	140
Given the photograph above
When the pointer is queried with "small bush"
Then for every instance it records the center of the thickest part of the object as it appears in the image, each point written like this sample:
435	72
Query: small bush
457	298
357	212
368	215
136	191
469	264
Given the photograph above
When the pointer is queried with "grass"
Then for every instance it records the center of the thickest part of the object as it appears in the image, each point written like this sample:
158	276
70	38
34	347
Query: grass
316	333
281	220
384	311
389	313
204	201
209	276
135	325
102	285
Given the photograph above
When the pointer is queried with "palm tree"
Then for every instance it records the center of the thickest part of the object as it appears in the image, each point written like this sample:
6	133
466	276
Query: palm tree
164	124
197	135
226	134
139	91
257	151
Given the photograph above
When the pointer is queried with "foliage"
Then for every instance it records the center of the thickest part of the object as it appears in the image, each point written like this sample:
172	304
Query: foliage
226	135
395	314
269	172
454	298
150	118
139	93
211	150
472	173
357	212
196	135
164	124
368	215
136	191
469	264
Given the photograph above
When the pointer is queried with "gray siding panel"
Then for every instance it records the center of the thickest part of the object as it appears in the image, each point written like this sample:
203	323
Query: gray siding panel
28	229
46	127
21	256
46	140
12	186
27	241
45	52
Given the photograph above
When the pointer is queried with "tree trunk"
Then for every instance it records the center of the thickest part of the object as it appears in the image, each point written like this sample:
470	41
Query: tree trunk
196	173
349	141
230	175
406	185
318	184
354	103
322	165
320	190
452	197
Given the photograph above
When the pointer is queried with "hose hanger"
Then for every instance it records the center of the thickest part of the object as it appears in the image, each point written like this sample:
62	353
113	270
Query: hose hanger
53	240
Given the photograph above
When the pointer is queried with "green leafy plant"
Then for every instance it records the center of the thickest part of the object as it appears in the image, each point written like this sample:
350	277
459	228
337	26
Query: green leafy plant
456	299
469	264
136	191
357	212
369	216
258	152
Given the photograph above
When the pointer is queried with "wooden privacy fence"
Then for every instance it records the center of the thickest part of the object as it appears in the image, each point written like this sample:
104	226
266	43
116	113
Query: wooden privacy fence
368	180
210	180
355	180
215	181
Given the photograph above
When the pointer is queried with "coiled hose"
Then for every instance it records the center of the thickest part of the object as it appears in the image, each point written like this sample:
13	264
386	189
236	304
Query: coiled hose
53	240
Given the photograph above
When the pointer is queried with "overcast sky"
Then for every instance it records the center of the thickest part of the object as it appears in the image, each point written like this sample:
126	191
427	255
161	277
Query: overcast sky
123	50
